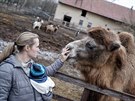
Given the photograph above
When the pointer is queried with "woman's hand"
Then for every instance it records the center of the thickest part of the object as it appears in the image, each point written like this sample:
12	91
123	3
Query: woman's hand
64	54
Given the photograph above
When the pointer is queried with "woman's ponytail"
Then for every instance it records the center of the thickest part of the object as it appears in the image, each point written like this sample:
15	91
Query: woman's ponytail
8	50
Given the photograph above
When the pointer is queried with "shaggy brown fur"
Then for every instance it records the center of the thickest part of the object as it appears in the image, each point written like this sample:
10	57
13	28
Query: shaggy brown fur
51	28
106	60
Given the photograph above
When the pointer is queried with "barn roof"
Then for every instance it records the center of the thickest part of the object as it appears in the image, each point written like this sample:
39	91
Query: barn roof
104	8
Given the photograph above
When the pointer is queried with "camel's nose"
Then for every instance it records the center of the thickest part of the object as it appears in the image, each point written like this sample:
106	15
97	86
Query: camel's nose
72	50
69	48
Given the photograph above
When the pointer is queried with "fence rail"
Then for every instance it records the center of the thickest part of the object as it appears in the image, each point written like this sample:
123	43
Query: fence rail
88	87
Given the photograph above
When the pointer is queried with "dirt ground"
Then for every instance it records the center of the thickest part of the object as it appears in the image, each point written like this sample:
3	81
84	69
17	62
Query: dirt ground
11	25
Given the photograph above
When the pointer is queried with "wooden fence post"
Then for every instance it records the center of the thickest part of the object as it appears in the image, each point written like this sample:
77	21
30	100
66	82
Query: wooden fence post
85	95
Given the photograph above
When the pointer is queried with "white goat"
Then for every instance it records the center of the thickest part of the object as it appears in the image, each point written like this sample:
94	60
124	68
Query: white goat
38	23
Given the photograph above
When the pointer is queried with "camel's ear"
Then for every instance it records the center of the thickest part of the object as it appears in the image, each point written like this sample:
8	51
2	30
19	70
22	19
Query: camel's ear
127	40
114	46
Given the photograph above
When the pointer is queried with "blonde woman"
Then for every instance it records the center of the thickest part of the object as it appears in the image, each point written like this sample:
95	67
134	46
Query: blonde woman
16	60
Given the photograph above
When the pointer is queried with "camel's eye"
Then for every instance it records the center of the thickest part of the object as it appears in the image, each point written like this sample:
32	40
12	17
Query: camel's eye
100	41
114	46
90	46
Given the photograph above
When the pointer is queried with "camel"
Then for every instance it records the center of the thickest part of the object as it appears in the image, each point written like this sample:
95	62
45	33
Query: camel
105	59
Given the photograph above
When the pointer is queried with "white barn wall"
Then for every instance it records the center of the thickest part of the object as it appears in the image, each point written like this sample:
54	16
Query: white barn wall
75	13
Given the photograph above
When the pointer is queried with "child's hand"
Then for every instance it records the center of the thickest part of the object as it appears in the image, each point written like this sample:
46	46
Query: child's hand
64	54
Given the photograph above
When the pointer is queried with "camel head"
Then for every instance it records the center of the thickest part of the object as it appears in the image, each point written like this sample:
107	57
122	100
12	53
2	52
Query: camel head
96	49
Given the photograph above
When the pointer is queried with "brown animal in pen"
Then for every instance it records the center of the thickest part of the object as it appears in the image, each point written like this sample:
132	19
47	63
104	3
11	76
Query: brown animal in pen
105	59
51	28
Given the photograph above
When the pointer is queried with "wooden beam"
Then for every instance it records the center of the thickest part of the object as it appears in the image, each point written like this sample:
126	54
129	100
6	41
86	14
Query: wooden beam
81	83
60	98
85	95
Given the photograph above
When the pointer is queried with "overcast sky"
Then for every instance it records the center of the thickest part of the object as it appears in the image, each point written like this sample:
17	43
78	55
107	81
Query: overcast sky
126	3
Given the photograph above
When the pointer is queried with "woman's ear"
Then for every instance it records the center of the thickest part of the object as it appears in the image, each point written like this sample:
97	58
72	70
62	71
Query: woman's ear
27	47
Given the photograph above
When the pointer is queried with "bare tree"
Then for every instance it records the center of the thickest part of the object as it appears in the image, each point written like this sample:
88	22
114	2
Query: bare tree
113	0
129	25
24	3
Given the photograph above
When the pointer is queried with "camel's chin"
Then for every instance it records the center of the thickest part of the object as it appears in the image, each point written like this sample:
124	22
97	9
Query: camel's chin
71	61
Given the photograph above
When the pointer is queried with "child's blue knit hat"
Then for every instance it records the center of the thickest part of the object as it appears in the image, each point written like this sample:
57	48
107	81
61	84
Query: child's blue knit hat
38	73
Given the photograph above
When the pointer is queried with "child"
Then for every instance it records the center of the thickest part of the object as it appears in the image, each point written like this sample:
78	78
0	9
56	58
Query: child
41	82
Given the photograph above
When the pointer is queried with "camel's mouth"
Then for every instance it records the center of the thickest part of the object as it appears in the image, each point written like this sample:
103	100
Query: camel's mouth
71	60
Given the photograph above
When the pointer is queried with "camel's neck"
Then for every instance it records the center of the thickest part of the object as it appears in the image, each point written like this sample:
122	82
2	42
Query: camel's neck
98	76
